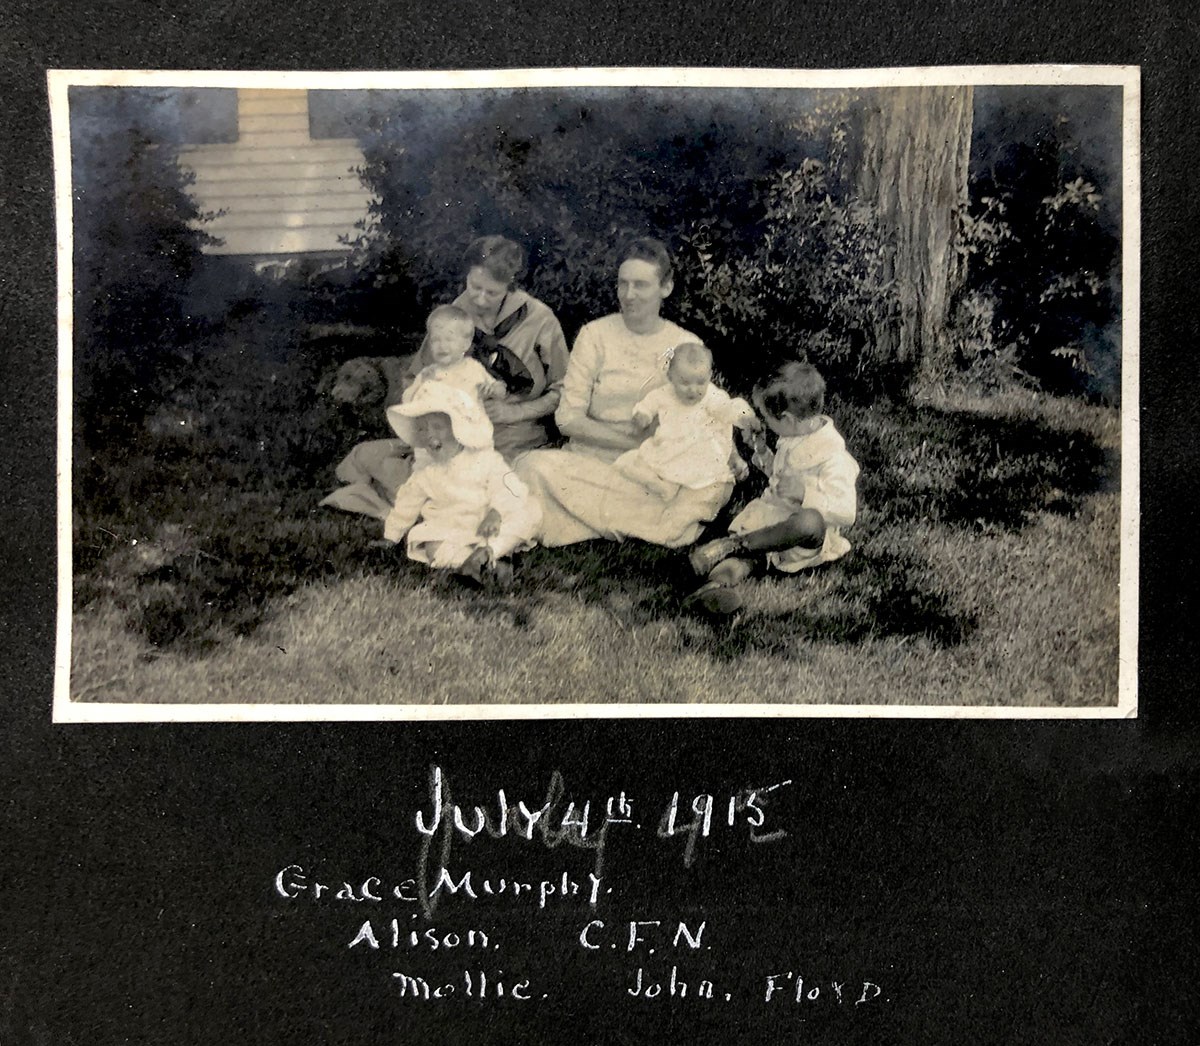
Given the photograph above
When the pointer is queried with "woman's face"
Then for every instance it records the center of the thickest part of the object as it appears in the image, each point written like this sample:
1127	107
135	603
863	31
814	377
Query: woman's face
484	293
640	291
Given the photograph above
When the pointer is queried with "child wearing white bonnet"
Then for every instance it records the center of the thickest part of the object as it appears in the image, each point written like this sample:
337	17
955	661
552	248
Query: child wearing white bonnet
465	510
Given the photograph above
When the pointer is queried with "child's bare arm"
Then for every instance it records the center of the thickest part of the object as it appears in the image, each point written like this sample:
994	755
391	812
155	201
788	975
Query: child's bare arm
743	416
762	457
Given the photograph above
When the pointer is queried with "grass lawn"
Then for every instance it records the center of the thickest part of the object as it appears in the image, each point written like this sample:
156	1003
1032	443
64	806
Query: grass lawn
985	571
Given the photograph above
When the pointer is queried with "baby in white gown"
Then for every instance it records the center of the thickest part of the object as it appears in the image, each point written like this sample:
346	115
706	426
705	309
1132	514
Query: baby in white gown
690	424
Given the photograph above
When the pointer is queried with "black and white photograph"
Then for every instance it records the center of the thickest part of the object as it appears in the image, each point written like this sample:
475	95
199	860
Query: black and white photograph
598	393
598	525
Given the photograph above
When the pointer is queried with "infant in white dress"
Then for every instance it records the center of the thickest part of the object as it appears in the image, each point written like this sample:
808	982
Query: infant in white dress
691	424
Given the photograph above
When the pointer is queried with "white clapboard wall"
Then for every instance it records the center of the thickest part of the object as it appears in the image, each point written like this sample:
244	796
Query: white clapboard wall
280	191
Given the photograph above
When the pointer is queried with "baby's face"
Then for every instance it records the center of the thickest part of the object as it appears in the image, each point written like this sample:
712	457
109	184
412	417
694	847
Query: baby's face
435	433
449	342
690	380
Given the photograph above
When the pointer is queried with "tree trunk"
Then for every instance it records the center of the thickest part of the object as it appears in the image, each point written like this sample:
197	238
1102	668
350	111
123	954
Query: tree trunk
916	144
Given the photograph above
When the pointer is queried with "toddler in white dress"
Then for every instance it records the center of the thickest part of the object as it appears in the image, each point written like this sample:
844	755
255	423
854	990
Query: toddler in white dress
811	498
690	424
465	510
450	332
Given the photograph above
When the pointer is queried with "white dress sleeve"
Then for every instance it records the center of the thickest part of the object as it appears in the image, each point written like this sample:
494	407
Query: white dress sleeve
648	408
740	412
582	370
406	510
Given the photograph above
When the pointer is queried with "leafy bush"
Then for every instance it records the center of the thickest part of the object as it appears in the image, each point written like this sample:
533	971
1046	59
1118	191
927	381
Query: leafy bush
137	245
811	286
1041	302
775	260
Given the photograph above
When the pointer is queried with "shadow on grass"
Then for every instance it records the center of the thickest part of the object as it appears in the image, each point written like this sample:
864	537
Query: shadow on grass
963	469
228	527
873	597
635	584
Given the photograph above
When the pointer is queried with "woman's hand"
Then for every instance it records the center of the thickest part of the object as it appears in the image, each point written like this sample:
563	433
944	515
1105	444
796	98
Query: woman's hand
504	411
612	435
647	430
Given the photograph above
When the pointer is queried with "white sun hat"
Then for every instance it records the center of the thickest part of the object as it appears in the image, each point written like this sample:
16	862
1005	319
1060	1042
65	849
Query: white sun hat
470	423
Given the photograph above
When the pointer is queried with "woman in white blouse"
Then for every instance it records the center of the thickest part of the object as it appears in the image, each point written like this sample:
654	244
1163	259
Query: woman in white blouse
615	362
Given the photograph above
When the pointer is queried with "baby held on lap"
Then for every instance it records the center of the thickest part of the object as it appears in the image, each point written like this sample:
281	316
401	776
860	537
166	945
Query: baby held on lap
689	424
449	332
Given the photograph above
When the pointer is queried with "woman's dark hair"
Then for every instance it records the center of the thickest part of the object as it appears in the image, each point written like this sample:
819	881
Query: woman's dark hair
796	389
648	249
501	258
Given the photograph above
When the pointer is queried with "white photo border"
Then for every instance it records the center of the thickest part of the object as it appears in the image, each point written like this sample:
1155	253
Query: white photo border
65	710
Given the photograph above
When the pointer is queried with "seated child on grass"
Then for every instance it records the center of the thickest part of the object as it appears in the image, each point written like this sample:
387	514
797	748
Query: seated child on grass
465	510
811	496
690	423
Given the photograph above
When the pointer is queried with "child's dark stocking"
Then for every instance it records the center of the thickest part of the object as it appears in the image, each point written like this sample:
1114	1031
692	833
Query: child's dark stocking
805	528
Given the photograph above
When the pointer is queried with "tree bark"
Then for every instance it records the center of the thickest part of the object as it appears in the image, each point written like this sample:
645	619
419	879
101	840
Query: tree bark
916	144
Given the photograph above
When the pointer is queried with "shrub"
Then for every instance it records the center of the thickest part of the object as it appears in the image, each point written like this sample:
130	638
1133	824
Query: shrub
137	245
779	258
1041	301
776	260
811	286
